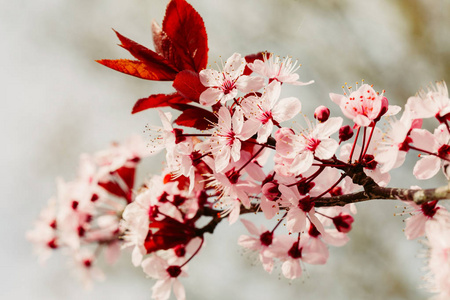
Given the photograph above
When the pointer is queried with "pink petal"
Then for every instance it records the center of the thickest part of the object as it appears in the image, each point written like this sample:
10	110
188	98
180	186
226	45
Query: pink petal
291	269
415	226
326	149
427	167
248	84
337	98
178	290
264	132
423	139
316	253
286	109
234	66
161	289
210	78
332	125
296	220
222	159
249	128
211	96
251	228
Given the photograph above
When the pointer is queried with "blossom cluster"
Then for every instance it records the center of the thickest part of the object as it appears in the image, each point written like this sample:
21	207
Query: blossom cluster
240	147
84	217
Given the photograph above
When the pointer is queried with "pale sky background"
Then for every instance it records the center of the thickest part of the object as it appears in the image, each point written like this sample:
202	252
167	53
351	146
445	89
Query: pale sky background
59	103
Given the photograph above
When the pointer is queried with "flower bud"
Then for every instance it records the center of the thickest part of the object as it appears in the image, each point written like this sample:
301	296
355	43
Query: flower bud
322	113
345	133
343	222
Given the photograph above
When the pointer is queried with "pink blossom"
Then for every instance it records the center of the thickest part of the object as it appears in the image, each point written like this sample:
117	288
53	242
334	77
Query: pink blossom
223	86
167	278
364	105
391	151
420	216
259	241
303	147
274	68
433	103
267	110
301	209
437	143
225	141
438	234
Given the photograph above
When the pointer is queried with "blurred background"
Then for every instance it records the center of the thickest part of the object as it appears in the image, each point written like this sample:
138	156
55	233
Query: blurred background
58	103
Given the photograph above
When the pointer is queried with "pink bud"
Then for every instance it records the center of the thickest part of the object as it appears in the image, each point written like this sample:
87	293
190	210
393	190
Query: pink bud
345	133
343	222
322	113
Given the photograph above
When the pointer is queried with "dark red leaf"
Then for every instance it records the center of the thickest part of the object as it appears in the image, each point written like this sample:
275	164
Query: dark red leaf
135	68
153	60
170	234
158	100
185	28
251	58
164	46
187	83
127	175
197	117
115	189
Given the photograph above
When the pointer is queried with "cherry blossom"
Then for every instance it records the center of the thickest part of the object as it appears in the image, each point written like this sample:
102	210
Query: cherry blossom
269	111
436	144
225	141
275	68
260	242
167	278
224	86
228	161
434	103
303	147
364	105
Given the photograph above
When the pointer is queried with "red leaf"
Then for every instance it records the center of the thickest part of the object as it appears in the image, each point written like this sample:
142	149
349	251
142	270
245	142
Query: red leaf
164	46
185	28
135	68
197	117
153	60
251	58
158	100
170	233
127	175
187	83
